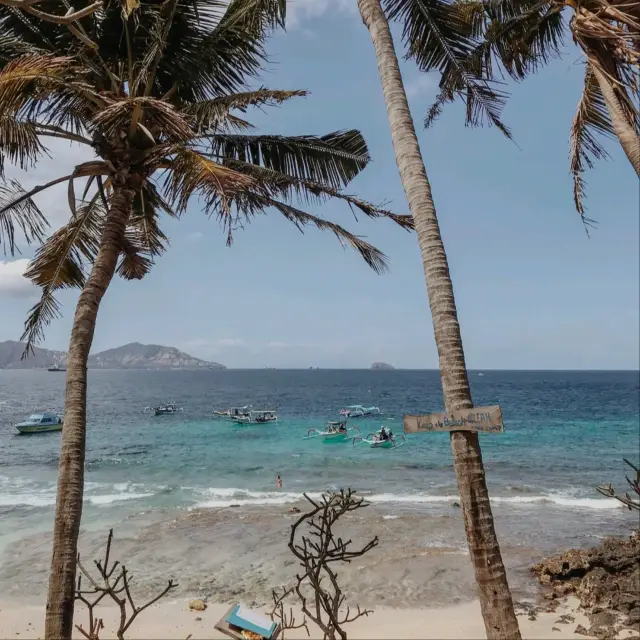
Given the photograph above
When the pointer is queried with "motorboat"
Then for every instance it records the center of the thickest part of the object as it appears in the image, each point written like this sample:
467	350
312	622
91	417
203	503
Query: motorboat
359	411
255	417
384	438
40	423
168	408
334	431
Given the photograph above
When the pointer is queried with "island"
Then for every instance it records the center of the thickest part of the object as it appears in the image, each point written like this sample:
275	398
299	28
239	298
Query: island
129	356
382	366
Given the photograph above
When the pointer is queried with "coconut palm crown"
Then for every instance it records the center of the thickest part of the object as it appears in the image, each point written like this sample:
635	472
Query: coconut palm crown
476	44
156	90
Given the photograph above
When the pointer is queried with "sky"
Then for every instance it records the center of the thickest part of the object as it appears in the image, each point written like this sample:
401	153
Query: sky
532	290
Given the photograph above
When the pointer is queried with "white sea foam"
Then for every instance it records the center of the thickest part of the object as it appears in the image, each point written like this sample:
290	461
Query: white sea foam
116	497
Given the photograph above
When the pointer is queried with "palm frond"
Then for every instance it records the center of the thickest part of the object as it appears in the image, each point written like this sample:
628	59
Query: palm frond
333	159
59	264
213	115
160	117
284	187
18	210
221	60
192	174
253	204
441	35
30	77
591	118
19	142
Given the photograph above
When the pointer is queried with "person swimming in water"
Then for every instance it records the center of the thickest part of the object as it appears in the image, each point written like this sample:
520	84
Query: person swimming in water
279	482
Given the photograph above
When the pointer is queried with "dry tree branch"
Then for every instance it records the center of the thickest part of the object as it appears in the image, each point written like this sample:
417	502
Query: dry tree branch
103	587
317	587
631	502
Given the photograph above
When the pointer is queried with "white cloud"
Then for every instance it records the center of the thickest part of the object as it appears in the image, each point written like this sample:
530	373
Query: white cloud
195	236
12	280
300	11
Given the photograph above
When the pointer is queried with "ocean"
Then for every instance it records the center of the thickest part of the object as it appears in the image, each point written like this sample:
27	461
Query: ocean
196	498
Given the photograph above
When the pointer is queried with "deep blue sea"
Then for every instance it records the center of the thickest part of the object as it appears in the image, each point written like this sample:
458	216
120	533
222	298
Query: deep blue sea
565	433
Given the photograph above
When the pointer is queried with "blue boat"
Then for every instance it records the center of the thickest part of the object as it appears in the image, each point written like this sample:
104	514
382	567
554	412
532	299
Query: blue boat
40	423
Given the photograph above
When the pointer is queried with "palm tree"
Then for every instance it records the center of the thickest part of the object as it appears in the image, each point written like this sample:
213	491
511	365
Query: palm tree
446	33
150	89
519	36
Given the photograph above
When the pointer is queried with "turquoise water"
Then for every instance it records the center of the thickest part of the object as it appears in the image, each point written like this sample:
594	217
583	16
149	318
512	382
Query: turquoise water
565	433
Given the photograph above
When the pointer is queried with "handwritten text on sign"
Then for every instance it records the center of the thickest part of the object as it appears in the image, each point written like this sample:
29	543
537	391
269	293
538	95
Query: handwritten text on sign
485	419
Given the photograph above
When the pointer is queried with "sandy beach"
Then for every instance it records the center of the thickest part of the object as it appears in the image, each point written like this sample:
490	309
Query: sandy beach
173	620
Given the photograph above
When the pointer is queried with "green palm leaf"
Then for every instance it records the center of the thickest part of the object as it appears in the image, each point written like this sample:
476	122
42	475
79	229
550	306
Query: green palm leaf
333	159
59	264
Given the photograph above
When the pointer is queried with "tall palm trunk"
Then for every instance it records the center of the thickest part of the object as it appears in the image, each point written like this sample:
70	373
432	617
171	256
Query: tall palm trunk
626	132
60	598
495	597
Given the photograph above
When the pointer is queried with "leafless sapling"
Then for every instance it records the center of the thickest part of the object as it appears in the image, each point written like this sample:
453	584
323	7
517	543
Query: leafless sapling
115	585
632	502
317	587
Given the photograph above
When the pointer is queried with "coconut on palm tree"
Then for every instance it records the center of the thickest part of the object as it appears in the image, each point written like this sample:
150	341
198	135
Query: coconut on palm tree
447	41
155	91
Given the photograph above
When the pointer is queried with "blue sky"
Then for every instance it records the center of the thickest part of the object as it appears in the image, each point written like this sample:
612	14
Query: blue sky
532	290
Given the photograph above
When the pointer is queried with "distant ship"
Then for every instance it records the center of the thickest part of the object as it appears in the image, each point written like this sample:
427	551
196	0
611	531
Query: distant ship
56	367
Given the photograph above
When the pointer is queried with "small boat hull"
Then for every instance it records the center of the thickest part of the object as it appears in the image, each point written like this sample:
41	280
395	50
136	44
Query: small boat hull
28	429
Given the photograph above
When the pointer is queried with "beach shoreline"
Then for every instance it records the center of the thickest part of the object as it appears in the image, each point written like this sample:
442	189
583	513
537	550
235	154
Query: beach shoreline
172	619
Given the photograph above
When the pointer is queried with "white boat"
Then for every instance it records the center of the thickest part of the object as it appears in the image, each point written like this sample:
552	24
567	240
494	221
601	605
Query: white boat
232	412
358	411
256	417
335	431
40	423
384	438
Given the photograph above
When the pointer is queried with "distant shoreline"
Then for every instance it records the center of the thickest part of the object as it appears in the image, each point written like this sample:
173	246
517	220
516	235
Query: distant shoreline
315	370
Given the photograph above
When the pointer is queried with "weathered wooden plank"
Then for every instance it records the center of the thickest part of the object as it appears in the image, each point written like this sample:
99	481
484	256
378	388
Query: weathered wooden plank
484	419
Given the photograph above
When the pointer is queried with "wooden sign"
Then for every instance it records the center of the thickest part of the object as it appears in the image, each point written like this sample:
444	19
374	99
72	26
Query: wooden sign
483	419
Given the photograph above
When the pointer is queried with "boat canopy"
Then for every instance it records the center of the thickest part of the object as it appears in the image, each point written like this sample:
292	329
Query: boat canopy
355	406
45	417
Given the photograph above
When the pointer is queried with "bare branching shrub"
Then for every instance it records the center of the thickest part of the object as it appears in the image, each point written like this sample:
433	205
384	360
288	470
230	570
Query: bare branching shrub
632	502
115	585
316	587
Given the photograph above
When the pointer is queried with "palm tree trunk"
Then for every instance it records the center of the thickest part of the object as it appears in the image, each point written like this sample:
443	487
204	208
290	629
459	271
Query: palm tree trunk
626	132
60	598
495	597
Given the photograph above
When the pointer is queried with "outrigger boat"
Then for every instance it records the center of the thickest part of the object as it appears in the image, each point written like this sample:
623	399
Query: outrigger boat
384	438
333	432
358	411
232	412
169	408
255	417
40	423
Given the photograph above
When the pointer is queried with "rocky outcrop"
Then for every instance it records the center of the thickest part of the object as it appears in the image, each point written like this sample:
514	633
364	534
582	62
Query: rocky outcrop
129	356
382	366
148	356
11	357
606	579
